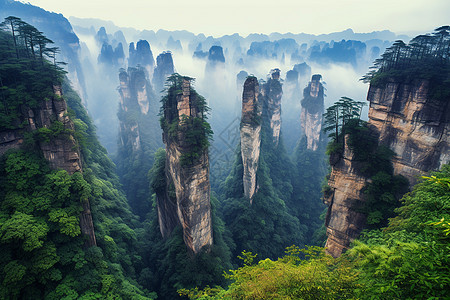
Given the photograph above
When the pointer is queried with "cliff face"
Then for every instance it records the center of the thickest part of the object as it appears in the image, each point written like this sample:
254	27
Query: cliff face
312	111
61	150
346	190
250	135
189	180
411	123
134	97
273	92
164	68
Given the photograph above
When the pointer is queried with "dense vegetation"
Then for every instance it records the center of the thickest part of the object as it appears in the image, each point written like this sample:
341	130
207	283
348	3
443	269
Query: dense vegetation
139	138
425	57
287	205
169	264
43	253
406	260
195	130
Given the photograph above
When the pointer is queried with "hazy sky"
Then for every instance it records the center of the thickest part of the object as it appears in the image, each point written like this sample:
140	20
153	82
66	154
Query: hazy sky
247	16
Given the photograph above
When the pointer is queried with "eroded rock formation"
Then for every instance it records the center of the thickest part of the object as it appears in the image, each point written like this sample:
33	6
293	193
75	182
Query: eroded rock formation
409	120
413	124
250	135
312	111
187	173
134	92
61	150
272	93
164	68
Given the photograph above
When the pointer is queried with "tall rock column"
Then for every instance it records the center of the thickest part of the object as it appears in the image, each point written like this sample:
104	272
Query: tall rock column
414	124
250	135
187	166
273	93
312	111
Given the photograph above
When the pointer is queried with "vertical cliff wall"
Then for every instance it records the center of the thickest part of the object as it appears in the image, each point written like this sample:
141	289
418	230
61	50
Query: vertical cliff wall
60	149
139	136
134	101
272	93
250	135
186	167
164	68
415	125
407	118
312	111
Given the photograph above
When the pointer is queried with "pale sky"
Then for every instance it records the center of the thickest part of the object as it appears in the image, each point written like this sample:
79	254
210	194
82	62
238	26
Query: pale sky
250	16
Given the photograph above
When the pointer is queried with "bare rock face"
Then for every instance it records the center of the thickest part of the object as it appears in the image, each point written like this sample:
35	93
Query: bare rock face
134	96
312	111
273	92
412	124
191	205
250	135
164	68
61	151
343	222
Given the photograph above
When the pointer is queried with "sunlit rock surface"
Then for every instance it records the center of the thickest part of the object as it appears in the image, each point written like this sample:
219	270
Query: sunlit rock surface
412	123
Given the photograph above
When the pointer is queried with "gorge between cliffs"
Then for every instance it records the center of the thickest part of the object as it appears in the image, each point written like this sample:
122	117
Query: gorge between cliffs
173	165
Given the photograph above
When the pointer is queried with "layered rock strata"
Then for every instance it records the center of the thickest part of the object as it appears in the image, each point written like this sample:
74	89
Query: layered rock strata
250	135
412	123
191	205
312	111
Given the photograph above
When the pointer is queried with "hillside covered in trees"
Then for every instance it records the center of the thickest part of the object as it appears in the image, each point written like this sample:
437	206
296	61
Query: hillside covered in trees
68	231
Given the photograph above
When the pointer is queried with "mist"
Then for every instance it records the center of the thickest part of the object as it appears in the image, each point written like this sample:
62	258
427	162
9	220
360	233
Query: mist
341	65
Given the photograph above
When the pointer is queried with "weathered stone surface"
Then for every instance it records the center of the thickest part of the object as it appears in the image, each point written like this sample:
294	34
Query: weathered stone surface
192	207
412	124
134	96
61	151
164	68
250	135
342	221
312	111
273	92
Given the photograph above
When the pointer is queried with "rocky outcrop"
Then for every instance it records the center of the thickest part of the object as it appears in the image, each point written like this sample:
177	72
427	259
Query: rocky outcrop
272	93
189	179
164	68
413	124
408	119
343	221
250	135
141	55
61	150
312	111
134	93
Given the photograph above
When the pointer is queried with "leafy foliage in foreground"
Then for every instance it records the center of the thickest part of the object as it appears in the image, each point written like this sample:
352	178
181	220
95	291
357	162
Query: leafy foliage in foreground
406	260
300	274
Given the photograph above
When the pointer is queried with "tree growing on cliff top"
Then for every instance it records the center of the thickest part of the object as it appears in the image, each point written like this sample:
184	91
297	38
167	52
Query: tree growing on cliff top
338	116
427	54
